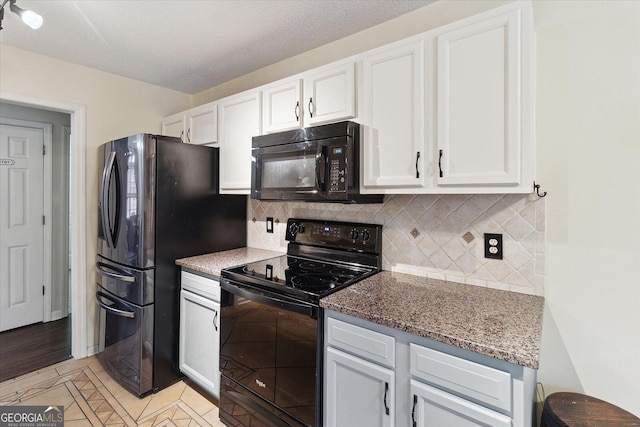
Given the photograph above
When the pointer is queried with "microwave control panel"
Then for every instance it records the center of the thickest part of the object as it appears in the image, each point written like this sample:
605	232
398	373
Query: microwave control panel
336	157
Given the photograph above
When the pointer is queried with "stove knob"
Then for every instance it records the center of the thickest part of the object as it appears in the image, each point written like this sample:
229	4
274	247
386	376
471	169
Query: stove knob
354	234
365	236
301	228
293	228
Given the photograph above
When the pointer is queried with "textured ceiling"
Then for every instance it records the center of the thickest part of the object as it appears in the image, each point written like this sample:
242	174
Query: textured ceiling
190	45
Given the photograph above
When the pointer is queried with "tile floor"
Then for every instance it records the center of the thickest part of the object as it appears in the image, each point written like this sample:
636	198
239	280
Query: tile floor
91	398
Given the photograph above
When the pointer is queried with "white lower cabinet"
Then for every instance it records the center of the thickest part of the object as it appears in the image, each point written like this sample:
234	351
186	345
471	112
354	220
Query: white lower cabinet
379	376
200	331
358	392
436	408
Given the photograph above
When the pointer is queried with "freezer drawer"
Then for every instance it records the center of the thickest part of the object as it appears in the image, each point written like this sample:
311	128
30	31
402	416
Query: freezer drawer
126	342
130	284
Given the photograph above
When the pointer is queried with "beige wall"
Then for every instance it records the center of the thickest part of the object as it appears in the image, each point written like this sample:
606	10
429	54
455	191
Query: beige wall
588	136
115	107
589	160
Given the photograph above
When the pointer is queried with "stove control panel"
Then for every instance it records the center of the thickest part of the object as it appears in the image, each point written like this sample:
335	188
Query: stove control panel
335	235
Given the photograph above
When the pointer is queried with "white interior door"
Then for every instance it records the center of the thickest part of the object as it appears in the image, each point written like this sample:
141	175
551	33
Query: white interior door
21	226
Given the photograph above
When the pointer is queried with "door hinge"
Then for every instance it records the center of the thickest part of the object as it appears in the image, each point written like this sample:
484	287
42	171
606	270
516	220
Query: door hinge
44	150
42	289
44	220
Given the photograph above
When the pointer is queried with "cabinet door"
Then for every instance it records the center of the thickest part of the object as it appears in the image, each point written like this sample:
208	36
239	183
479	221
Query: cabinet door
479	105
174	125
432	407
239	121
329	94
200	340
393	117
281	106
357	392
202	124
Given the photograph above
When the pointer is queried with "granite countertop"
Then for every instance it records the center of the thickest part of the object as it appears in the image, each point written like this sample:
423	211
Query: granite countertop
501	324
214	262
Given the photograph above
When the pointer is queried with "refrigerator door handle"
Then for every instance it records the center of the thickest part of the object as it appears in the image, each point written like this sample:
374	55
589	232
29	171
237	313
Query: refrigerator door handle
123	276
104	198
121	313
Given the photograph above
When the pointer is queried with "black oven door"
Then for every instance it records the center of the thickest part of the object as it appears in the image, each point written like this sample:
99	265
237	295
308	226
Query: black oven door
269	358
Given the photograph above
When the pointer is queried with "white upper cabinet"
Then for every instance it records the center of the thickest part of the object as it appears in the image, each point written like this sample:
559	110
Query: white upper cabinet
319	96
202	124
330	94
197	125
281	106
484	102
174	125
392	115
239	121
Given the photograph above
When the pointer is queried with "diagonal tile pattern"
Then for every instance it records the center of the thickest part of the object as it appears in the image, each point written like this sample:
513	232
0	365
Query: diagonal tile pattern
91	398
438	236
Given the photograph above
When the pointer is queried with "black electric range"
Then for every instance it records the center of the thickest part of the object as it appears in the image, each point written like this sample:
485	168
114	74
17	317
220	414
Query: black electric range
271	346
308	279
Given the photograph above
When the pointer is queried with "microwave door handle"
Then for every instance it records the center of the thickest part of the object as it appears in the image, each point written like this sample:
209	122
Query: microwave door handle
321	168
104	199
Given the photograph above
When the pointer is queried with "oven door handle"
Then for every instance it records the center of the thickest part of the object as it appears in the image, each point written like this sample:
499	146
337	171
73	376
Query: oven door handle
261	297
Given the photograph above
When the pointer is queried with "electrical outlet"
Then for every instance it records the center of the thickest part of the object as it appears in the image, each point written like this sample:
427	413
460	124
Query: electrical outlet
493	246
269	224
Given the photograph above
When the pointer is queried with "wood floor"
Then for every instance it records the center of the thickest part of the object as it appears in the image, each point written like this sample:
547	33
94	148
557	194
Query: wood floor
33	347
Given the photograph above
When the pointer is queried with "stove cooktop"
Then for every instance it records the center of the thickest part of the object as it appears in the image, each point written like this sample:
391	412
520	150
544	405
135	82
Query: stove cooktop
299	276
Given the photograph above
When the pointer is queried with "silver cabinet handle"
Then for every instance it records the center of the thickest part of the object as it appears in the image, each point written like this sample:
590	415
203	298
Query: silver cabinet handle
215	319
297	111
189	135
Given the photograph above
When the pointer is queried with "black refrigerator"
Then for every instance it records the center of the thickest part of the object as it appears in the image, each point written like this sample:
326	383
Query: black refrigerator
158	201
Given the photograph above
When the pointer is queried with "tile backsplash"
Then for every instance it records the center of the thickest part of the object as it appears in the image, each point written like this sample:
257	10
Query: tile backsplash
437	236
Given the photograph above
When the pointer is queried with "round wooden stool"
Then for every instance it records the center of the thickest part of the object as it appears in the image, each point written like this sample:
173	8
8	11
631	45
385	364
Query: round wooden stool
574	409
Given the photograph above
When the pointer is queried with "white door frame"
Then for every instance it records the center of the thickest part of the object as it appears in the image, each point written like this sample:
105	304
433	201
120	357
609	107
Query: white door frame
47	130
78	241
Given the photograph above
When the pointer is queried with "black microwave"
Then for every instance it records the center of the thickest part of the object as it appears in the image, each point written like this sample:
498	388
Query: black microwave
315	164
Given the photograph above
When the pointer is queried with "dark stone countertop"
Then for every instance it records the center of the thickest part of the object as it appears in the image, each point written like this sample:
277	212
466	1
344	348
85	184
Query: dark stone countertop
500	324
213	263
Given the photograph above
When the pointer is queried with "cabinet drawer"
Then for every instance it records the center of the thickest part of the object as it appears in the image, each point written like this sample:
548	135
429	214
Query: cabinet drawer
373	346
200	285
481	383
